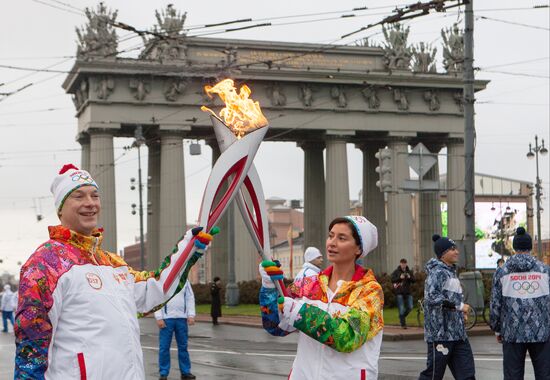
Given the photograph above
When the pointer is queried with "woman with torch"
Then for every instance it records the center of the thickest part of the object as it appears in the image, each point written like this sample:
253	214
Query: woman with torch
338	313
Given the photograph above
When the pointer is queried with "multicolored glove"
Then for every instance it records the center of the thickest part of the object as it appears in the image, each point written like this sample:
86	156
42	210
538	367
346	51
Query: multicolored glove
270	272
289	312
202	242
203	239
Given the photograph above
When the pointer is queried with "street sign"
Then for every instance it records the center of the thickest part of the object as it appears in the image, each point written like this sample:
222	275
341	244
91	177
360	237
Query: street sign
421	160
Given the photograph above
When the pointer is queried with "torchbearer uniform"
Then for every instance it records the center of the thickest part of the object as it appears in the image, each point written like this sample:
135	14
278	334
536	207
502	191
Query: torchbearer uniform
444	330
340	332
78	304
520	311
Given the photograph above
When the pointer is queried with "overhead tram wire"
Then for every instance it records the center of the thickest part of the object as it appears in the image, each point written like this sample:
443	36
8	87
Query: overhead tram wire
60	8
514	63
512	23
514	73
357	9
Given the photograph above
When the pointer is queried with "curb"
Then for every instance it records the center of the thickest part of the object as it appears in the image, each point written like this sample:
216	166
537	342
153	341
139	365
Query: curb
391	333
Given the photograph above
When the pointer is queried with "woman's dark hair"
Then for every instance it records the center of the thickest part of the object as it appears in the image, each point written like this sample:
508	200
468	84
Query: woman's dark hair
354	232
216	279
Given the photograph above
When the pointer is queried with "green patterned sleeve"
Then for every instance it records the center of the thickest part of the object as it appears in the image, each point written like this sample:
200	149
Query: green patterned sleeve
344	333
347	331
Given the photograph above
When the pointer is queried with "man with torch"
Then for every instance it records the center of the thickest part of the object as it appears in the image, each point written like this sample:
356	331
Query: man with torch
78	307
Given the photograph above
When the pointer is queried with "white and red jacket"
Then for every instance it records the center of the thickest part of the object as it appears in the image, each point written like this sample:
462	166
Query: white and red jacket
340	332
78	310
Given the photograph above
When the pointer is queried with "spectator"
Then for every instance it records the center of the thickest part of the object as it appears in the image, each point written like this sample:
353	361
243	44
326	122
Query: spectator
174	319
313	260
216	305
402	278
8	305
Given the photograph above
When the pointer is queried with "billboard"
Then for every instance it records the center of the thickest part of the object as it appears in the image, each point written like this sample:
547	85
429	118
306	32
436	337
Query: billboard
496	223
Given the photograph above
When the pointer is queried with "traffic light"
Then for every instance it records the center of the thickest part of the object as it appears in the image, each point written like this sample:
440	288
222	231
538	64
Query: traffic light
384	169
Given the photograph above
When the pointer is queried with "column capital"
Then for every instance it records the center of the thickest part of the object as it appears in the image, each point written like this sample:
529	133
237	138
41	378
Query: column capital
311	144
83	138
454	141
433	146
338	135
173	133
398	140
371	145
101	131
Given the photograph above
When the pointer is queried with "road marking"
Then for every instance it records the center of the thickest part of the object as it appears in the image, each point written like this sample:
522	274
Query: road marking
227	352
487	359
484	359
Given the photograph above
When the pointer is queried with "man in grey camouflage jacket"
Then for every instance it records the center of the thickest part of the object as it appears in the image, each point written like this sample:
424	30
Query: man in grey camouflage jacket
444	314
520	311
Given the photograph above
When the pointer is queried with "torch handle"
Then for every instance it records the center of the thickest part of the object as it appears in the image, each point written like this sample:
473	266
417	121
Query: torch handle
179	264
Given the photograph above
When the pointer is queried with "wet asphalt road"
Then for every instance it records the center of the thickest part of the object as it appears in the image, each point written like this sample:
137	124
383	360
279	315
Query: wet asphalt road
248	353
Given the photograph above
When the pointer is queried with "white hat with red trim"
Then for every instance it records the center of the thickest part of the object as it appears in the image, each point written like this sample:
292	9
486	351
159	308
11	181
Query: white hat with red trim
68	180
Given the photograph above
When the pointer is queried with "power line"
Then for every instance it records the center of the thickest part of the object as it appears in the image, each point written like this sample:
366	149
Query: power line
515	74
511	23
80	13
513	63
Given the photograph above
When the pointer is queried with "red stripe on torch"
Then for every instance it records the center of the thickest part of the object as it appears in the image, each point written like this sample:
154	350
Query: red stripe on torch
213	217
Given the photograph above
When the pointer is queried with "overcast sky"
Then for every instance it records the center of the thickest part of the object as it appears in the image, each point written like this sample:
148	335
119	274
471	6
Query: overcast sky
38	124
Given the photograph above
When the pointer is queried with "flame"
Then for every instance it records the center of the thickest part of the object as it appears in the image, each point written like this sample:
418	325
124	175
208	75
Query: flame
240	113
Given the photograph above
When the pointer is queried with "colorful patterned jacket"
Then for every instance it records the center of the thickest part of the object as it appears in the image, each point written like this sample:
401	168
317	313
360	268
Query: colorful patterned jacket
443	302
78	309
340	337
520	302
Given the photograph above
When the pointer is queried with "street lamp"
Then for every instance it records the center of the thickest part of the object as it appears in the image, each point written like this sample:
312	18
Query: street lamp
534	153
139	141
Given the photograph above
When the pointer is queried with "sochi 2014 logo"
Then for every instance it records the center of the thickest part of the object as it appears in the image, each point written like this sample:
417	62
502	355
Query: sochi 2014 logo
526	283
526	287
94	280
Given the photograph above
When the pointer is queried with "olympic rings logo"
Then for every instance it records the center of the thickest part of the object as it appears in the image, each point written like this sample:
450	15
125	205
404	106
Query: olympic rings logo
82	178
526	287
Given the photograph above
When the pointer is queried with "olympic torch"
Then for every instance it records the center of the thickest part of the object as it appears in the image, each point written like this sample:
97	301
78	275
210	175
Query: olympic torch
246	127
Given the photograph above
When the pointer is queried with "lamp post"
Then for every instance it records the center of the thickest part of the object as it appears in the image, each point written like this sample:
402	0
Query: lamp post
534	153
139	141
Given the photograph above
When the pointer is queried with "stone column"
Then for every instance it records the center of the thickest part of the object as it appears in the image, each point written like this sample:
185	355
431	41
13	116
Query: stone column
172	222
337	184
374	207
430	213
456	197
314	196
84	140
400	225
154	255
102	169
217	253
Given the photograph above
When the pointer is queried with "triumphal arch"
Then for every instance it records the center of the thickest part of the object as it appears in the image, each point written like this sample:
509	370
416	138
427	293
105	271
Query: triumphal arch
321	97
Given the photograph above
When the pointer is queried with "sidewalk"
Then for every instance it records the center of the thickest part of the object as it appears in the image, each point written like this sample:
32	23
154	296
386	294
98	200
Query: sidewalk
391	333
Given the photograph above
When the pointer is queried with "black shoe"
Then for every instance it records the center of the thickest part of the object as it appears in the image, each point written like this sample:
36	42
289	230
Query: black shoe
187	376
163	378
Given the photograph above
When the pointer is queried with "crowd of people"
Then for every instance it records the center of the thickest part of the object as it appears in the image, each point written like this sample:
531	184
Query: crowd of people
70	283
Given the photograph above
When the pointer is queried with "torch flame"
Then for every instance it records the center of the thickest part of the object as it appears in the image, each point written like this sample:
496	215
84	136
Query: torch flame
240	113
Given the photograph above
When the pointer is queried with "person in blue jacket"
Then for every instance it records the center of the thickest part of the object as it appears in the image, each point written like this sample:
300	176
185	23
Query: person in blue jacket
444	315
520	311
173	319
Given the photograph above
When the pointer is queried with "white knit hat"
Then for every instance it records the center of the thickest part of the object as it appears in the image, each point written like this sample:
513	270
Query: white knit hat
311	254
68	180
368	234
